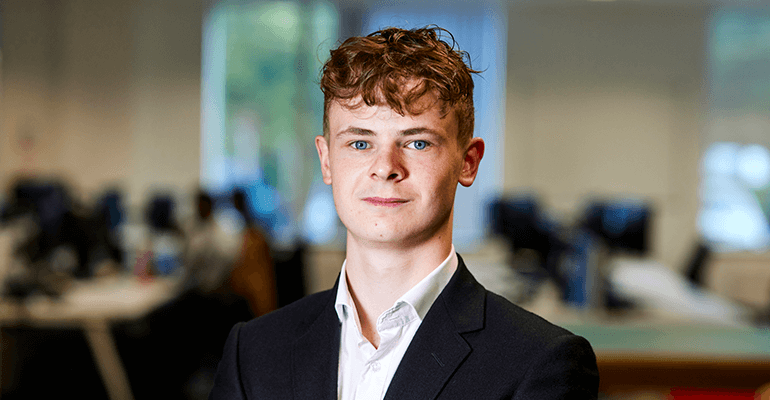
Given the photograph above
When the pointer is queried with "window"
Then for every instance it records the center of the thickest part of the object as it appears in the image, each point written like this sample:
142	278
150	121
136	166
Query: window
262	107
735	165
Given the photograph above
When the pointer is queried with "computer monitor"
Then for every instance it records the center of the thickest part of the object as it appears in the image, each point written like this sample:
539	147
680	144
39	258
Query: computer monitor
623	225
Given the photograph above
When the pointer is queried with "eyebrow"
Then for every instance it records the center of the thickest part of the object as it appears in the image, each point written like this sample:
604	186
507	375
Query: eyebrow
356	131
368	132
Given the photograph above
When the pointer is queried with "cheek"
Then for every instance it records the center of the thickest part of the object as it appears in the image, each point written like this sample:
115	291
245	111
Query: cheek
344	185
445	173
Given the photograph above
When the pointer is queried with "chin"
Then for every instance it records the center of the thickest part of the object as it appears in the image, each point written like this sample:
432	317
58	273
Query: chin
392	235
382	235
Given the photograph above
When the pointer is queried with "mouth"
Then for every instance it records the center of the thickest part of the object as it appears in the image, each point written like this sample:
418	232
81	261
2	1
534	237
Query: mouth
385	202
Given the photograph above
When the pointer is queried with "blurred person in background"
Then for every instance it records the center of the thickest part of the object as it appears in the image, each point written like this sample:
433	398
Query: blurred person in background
406	319
211	250
253	275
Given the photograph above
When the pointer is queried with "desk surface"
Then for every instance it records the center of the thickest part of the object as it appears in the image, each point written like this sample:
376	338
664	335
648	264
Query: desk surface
657	357
93	305
676	340
101	299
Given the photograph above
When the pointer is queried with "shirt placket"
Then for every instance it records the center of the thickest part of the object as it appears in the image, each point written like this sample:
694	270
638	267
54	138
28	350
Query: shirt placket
374	376
369	379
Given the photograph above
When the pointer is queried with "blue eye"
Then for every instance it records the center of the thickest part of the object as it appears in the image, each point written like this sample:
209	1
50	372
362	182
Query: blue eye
419	144
360	145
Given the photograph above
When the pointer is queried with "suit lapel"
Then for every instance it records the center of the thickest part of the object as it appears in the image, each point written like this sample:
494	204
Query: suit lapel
315	356
438	348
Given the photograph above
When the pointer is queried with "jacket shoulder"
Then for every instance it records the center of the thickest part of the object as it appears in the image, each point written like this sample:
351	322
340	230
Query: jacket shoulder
533	357
289	322
511	319
256	361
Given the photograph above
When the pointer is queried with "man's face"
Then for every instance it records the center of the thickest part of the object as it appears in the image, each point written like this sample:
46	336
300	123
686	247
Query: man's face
394	177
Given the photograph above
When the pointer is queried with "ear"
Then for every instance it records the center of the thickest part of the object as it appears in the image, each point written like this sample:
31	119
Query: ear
322	145
473	154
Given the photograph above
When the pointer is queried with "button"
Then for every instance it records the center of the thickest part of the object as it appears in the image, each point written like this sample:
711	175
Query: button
375	366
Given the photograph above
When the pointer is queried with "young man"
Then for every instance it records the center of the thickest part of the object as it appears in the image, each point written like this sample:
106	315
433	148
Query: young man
406	319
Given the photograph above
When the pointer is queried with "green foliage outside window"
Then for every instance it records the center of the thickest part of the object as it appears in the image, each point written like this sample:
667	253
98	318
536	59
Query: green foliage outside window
273	103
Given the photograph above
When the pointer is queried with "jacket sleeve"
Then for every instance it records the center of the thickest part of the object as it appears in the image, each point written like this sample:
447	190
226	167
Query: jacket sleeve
566	369
227	383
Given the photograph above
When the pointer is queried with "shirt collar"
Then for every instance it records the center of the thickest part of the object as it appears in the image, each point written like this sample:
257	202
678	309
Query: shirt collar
343	303
421	296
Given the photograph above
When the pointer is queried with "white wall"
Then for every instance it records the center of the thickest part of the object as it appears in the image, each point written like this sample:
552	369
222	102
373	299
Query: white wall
604	99
28	139
109	92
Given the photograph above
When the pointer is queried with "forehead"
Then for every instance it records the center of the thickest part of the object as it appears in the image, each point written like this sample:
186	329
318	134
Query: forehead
355	113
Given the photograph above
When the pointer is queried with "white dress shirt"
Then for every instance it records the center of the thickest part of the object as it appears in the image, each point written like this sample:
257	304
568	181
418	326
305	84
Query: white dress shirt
365	372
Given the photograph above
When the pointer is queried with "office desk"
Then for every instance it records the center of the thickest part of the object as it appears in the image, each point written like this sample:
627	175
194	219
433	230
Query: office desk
94	306
658	356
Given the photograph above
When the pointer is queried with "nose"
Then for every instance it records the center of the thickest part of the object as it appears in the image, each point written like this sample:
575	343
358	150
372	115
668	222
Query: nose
388	165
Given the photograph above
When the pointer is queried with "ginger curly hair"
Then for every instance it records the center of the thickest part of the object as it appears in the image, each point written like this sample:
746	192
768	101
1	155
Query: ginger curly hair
397	67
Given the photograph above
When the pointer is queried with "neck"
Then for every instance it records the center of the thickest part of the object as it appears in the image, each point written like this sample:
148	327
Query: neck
378	275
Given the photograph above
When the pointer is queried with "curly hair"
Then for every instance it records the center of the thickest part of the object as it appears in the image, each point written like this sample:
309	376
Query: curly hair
382	66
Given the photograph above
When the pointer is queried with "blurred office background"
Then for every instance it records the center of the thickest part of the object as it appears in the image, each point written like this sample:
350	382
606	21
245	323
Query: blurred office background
160	182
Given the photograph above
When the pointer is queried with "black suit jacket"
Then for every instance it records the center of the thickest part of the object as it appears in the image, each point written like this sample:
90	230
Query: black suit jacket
472	344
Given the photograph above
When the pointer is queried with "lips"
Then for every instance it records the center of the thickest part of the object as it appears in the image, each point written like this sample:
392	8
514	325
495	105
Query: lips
385	202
